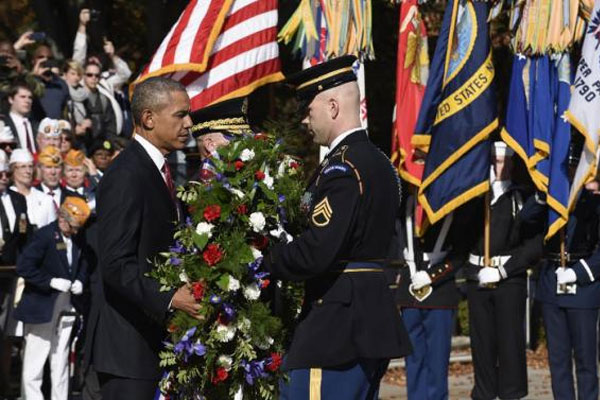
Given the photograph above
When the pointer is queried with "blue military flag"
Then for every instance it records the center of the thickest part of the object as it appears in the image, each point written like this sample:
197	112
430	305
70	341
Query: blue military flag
558	186
458	112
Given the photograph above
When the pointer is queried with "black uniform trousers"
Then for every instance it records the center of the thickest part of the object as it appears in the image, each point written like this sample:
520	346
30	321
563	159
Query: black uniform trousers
497	330
572	331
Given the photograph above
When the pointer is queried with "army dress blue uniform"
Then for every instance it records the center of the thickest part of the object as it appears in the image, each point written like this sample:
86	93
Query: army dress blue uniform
430	320
349	327
571	320
497	313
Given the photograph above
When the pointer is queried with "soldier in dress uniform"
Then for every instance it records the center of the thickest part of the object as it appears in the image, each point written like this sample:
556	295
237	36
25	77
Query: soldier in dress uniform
349	327
497	293
54	271
428	296
570	297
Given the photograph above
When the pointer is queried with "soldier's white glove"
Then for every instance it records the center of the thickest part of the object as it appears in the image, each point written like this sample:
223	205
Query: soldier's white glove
565	275
60	284
77	288
488	275
281	234
420	279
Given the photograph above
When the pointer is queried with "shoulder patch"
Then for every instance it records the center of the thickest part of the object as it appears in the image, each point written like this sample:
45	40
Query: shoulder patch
342	168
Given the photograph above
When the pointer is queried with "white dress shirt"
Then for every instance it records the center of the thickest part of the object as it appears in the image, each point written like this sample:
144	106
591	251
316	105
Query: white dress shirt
56	194
69	246
80	190
40	207
341	137
20	123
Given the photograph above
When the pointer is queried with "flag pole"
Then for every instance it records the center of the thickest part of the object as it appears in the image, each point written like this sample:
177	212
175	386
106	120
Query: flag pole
486	232
563	259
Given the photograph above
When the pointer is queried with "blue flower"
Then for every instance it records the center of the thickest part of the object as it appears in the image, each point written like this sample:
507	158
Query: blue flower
188	348
214	299
175	261
253	370
229	311
177	248
189	222
281	198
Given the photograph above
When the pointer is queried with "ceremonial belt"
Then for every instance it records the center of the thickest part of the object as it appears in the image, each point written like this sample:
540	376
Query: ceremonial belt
358	267
433	257
496	261
569	257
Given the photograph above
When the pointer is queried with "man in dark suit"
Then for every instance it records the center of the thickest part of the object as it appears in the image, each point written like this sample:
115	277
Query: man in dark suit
349	326
23	128
50	167
136	211
53	269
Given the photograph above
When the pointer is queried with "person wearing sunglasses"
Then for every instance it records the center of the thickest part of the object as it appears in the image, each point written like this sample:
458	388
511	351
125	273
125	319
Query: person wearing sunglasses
98	106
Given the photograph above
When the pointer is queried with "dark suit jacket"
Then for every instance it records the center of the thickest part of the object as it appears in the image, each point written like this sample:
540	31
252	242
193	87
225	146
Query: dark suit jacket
14	243
9	122
135	217
44	258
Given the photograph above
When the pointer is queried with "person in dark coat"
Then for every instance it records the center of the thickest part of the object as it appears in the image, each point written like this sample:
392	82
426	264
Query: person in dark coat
55	272
497	293
349	327
135	213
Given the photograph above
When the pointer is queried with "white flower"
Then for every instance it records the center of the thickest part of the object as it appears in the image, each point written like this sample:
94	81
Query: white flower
183	277
205	228
244	324
225	362
265	344
252	291
225	333
247	155
256	253
237	192
268	181
233	284
257	221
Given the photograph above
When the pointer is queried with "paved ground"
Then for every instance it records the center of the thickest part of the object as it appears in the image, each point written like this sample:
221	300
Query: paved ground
461	385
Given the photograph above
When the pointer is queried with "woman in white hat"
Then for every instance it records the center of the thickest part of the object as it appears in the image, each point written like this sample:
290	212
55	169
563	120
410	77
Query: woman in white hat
40	207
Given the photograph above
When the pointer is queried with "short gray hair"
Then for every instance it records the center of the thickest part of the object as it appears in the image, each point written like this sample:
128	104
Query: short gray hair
153	94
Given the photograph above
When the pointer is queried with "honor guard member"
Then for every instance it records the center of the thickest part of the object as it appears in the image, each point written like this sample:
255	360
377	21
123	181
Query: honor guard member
429	297
54	271
14	227
570	297
349	327
497	293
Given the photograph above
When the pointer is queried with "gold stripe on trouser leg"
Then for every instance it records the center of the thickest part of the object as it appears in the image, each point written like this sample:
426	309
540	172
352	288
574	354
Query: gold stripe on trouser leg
316	376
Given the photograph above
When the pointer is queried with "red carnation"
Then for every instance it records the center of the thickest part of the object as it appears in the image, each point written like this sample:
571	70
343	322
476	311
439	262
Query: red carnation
172	328
242	209
293	164
198	290
264	283
275	362
212	254
261	242
239	165
259	175
212	212
220	375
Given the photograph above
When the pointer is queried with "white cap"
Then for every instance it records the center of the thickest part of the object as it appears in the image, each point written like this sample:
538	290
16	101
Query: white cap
6	135
500	149
63	125
3	161
49	127
20	156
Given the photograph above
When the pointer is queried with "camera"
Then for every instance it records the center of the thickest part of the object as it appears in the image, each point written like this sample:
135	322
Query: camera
38	36
50	63
3	60
95	14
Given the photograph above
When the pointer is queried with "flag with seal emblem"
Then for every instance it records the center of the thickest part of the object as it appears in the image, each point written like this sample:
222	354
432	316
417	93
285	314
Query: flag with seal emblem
584	108
458	112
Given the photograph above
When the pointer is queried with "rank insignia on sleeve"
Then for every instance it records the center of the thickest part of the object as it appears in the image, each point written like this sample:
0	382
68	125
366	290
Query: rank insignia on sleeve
322	213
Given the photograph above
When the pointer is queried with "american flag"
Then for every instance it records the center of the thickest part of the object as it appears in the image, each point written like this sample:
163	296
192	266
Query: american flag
220	49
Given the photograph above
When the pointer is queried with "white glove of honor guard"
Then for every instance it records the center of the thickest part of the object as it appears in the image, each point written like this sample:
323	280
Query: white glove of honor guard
60	284
565	275
420	279
77	288
488	275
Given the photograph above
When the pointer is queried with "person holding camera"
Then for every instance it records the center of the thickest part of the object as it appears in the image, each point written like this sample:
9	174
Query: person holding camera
56	93
98	106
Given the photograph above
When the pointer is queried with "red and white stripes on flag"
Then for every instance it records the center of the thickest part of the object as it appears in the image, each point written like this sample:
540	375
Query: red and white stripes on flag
220	49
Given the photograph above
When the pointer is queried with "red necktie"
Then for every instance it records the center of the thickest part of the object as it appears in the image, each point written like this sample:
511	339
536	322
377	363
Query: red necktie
27	137
168	179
